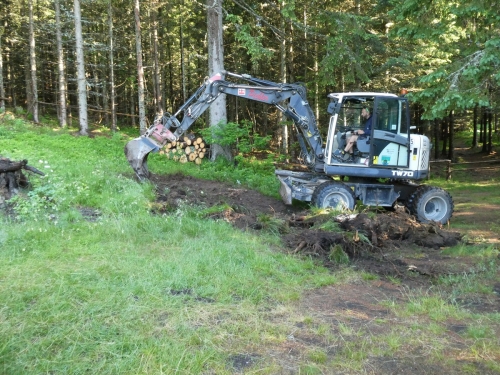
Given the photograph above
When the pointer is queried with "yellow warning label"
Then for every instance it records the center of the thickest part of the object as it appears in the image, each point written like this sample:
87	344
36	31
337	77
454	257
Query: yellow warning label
375	160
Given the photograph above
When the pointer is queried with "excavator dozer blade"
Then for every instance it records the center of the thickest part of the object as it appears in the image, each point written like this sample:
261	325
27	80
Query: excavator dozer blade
137	152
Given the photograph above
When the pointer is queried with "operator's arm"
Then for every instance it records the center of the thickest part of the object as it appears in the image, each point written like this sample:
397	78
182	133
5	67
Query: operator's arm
367	129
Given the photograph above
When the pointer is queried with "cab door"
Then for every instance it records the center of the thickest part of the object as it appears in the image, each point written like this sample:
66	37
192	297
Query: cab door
390	143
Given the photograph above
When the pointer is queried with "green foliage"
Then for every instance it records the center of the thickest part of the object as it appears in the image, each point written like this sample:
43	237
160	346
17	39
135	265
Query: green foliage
338	255
480	332
318	356
329	226
238	135
214	210
272	224
366	276
39	202
350	49
288	10
250	40
456	58
19	111
481	251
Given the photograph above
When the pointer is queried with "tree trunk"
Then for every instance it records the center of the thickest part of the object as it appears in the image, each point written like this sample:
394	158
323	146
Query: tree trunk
445	135
29	88
474	135
34	89
162	58
484	137
60	67
10	88
218	114
2	88
171	95
95	96
316	73
157	76
80	66
451	135
132	105
283	59
436	138
496	122
140	70
183	67
490	130
112	88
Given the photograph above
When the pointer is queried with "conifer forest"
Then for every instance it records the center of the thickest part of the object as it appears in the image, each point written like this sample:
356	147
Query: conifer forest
132	59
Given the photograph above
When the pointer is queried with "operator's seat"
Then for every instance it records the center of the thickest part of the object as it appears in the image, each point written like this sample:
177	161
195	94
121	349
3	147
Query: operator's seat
363	144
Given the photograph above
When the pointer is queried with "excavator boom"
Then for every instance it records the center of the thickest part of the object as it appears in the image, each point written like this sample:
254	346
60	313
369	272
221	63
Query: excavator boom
168	128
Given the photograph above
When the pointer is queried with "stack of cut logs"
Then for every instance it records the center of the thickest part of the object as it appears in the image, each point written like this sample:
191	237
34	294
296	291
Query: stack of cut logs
189	149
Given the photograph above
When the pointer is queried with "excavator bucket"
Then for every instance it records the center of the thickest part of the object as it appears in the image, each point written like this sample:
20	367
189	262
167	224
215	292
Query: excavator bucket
137	152
138	149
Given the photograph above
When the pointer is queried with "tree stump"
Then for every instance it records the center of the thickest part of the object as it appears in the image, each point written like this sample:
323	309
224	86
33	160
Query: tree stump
12	178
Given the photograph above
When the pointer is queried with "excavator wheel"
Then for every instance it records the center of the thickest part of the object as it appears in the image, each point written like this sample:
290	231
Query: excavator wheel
431	203
334	194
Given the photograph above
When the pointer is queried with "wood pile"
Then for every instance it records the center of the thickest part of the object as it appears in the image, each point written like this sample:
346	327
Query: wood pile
188	149
12	177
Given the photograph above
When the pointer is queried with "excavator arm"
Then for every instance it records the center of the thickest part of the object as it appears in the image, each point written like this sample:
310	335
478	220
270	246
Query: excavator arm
168	128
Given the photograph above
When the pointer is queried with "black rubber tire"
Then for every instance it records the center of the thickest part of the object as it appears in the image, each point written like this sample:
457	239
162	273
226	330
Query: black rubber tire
431	203
334	194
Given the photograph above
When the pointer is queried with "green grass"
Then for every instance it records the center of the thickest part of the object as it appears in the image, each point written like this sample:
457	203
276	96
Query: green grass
129	292
126	291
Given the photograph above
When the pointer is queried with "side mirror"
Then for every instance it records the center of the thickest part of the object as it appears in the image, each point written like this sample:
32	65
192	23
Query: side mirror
331	108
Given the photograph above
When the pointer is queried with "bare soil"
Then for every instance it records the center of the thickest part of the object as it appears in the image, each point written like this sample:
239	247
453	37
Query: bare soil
388	244
405	257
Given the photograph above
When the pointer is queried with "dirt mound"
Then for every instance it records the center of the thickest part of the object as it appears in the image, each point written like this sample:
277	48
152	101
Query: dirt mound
387	243
244	206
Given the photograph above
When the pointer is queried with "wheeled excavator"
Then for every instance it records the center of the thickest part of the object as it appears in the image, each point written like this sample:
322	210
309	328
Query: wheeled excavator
387	167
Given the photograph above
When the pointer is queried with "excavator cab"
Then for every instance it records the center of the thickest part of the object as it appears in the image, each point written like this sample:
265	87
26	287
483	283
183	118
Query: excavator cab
388	143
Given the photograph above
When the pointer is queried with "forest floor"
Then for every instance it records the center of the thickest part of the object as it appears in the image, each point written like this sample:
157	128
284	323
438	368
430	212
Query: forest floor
403	255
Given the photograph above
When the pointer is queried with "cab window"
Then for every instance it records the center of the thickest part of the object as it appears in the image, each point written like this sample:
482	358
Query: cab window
388	115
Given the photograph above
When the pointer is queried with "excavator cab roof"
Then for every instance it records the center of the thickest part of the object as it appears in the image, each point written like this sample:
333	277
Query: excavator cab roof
361	96
339	100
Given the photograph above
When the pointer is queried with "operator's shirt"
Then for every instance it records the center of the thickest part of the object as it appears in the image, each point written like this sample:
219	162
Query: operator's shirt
368	126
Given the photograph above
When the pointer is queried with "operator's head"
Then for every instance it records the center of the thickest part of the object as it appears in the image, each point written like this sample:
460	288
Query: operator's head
366	112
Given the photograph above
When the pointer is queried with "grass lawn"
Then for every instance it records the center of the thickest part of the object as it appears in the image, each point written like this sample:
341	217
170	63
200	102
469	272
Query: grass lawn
92	282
